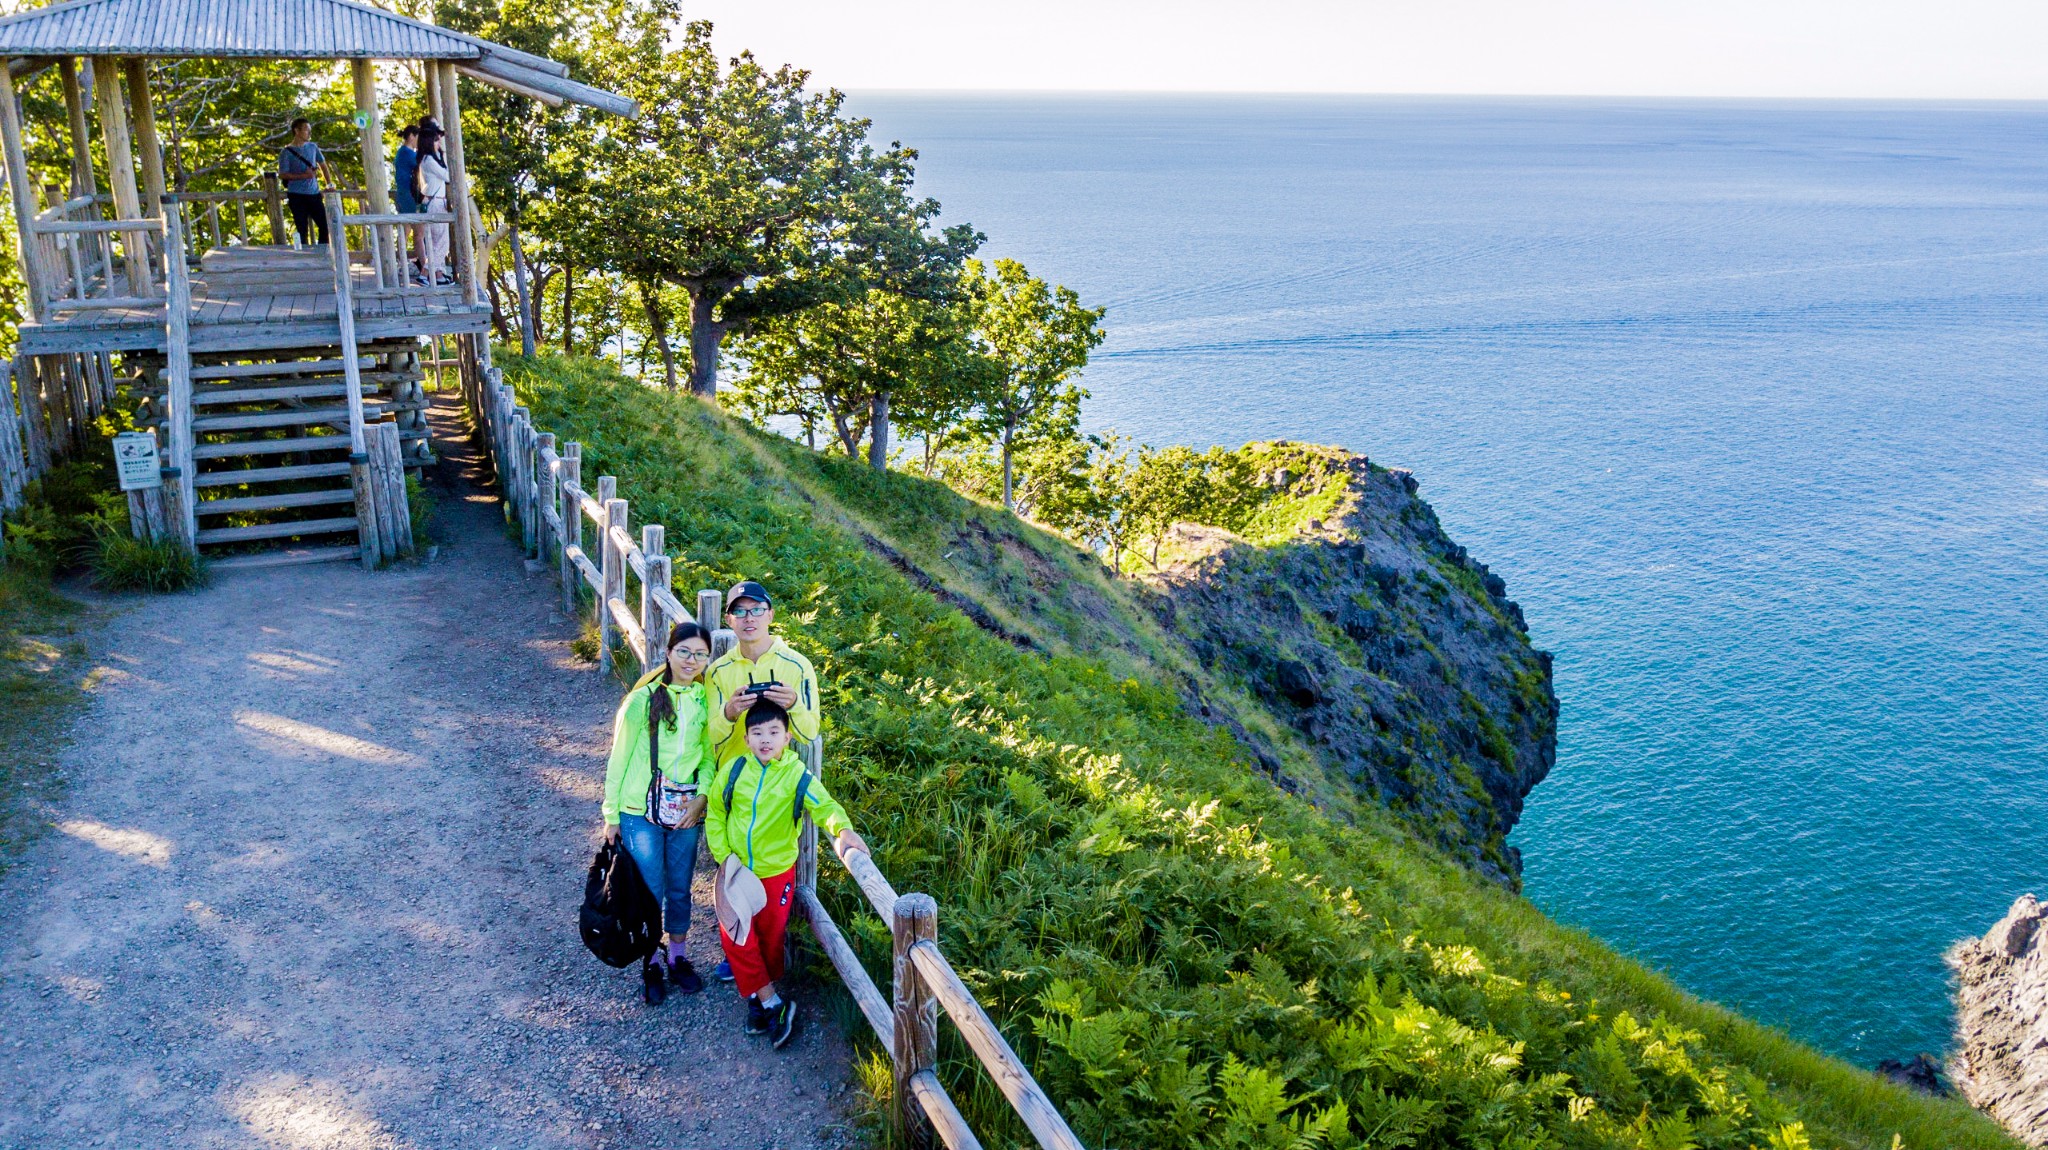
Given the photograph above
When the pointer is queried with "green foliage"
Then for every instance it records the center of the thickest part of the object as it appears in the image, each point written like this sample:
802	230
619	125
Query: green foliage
121	562
1037	337
1185	955
40	668
419	508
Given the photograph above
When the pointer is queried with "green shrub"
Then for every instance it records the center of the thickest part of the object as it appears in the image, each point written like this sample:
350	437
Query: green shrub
419	507
1185	955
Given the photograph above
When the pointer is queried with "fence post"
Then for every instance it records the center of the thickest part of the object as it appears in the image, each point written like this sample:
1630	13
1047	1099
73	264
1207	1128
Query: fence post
614	570
274	202
710	605
916	1045
653	620
813	755
572	523
547	480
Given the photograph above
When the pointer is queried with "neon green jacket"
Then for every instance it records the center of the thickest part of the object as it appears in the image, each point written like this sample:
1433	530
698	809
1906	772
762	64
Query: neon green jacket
732	672
685	752
762	827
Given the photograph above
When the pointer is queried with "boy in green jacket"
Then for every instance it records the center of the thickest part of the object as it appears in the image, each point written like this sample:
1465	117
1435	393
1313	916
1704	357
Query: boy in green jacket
754	819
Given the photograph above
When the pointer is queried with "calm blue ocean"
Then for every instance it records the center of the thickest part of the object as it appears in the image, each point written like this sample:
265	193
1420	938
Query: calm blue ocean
1745	401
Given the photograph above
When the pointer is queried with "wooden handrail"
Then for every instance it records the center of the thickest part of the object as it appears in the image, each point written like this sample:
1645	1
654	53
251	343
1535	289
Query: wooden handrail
546	496
82	227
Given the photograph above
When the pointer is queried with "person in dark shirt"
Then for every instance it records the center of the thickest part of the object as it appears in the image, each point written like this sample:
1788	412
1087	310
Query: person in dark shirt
406	163
301	165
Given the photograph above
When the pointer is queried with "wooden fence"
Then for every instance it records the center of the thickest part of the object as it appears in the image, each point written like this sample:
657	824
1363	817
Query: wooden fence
547	497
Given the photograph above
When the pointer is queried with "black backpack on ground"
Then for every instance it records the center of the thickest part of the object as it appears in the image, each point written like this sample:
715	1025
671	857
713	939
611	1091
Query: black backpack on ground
620	921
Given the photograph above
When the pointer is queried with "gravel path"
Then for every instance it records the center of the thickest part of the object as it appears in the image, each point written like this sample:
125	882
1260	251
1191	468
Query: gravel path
315	881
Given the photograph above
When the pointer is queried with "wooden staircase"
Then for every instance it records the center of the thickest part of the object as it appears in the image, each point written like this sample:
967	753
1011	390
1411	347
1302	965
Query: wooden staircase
270	436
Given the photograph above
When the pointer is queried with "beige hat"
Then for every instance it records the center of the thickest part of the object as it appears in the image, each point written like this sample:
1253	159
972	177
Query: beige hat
737	896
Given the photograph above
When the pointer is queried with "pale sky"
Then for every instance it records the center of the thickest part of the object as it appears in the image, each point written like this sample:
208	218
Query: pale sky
1956	49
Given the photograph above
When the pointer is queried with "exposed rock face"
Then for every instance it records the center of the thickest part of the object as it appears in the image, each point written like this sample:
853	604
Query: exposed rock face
1393	652
2001	1059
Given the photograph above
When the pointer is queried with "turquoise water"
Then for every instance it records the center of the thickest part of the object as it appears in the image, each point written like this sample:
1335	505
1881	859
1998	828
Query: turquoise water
1745	401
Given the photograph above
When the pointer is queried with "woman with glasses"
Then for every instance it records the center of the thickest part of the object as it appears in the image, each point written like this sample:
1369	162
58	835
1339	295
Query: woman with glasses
653	794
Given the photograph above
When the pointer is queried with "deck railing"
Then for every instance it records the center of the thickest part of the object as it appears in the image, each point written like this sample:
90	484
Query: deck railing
547	497
389	243
90	261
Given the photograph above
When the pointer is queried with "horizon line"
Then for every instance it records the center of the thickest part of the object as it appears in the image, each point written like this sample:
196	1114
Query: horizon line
1297	93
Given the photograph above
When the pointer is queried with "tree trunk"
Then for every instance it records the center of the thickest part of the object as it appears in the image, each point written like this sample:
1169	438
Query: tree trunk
878	433
541	280
499	328
657	322
1009	496
707	335
568	309
527	340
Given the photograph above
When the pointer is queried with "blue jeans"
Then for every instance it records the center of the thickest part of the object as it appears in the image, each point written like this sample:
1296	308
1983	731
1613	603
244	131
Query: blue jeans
667	859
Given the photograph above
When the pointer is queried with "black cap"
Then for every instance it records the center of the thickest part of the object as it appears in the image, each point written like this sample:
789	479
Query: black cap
747	589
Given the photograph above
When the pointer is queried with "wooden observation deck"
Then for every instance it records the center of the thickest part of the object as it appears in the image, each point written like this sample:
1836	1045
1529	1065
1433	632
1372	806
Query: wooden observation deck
139	292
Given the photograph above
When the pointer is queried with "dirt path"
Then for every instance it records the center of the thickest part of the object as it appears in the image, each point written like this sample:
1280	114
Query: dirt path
315	882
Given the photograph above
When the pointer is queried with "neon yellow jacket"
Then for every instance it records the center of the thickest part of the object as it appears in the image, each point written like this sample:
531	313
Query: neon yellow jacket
732	672
762	826
685	751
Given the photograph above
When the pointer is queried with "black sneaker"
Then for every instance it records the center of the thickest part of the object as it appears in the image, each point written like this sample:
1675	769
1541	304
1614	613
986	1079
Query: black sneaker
651	983
684	978
758	1019
784	1026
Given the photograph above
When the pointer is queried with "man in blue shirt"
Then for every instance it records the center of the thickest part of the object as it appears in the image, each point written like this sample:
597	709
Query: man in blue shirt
407	163
302	166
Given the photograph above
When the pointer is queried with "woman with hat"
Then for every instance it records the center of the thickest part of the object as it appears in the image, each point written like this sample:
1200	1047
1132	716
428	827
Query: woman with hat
660	763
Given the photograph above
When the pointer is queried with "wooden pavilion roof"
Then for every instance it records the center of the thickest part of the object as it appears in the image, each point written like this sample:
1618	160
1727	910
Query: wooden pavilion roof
283	30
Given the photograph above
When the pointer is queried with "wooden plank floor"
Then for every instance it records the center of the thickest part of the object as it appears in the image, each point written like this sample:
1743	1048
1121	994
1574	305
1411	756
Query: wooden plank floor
256	297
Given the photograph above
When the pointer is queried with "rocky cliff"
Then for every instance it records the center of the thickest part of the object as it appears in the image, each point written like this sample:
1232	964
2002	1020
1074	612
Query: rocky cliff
1393	653
2001	1058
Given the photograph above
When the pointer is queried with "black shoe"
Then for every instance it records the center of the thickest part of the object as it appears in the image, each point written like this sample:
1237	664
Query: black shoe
684	978
784	1027
758	1019
651	980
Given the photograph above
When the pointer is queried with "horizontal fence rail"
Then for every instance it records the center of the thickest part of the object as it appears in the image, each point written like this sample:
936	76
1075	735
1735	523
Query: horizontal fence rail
585	526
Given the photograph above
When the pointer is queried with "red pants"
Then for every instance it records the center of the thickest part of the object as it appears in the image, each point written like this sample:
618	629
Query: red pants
759	961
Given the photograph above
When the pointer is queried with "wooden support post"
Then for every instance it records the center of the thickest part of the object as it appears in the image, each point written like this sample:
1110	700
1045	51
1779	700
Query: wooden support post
178	377
376	180
710	608
915	1048
364	484
653	620
32	270
35	435
273	203
394	528
13	446
458	188
614	570
83	182
722	640
572	523
547	490
522	471
106	91
152	156
430	90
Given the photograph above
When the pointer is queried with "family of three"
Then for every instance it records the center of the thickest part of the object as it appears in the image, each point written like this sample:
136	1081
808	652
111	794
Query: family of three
702	748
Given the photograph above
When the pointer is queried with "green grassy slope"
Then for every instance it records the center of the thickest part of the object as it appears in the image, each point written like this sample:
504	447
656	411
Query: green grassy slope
1186	955
41	665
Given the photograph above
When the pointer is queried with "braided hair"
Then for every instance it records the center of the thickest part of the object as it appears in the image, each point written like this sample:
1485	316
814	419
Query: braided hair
660	707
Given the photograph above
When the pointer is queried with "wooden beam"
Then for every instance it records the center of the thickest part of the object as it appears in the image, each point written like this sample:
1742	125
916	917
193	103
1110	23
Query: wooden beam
24	201
152	157
387	244
458	191
83	182
106	92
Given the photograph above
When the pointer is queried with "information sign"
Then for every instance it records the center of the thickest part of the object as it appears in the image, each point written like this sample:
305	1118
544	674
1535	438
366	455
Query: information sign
135	457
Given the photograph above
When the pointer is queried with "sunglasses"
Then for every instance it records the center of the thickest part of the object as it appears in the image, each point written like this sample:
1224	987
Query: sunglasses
749	612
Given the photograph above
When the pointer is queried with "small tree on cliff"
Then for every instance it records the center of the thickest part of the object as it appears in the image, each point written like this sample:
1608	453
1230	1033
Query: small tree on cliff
1037	337
753	194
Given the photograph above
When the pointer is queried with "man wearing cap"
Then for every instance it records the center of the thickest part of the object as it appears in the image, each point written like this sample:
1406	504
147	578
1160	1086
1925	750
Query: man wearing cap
758	666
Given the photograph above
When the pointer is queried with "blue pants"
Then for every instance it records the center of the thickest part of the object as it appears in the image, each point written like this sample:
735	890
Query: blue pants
667	860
